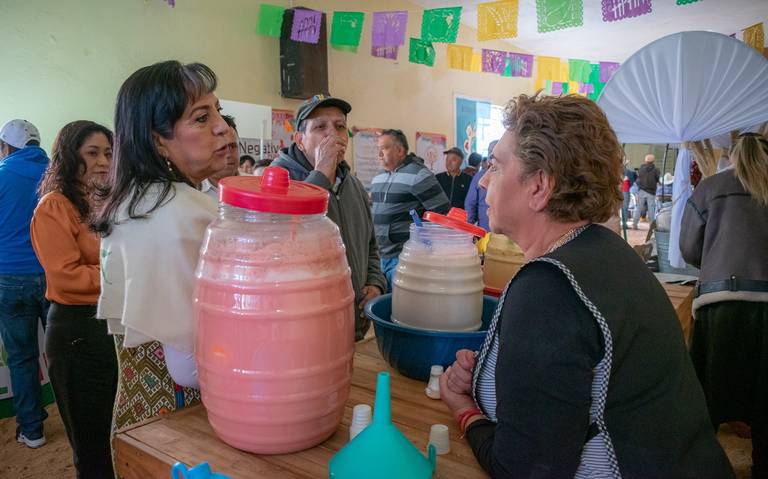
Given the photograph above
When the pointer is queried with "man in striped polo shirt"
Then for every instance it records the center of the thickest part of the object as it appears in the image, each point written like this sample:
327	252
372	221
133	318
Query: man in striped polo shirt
405	184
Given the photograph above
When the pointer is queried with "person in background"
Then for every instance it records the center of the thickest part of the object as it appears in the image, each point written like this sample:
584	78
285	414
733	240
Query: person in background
317	156
630	177
633	189
210	186
453	181
81	355
664	190
169	137
724	162
724	232
573	370
477	208
695	174
647	180
247	164
404	185
260	166
22	281
473	164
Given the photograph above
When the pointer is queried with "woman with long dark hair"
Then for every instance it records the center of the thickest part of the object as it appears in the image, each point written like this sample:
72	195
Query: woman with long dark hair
169	137
81	356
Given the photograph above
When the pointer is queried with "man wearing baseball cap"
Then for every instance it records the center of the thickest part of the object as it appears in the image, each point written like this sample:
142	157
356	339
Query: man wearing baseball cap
454	182
22	281
316	156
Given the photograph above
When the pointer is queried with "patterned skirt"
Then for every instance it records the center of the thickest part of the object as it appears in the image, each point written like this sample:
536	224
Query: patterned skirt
145	388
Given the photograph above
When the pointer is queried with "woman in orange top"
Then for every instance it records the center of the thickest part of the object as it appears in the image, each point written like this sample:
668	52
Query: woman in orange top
81	355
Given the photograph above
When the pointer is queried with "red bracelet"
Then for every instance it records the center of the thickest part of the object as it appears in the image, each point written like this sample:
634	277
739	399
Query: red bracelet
465	415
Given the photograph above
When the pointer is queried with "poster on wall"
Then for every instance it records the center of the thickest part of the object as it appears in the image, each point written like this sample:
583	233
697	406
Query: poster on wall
6	391
468	112
253	121
366	154
430	147
282	136
282	132
250	147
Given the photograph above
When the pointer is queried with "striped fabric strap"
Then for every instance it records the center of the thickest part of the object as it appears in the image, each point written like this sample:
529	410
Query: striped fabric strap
492	332
602	375
493	327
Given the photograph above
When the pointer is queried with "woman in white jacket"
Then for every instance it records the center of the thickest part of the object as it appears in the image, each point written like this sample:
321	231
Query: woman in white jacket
169	137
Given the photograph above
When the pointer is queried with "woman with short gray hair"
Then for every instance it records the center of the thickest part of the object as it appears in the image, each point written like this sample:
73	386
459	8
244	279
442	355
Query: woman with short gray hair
584	371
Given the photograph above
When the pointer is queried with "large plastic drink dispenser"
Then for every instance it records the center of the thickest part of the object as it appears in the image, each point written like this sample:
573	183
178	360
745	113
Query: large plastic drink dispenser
438	283
275	316
503	258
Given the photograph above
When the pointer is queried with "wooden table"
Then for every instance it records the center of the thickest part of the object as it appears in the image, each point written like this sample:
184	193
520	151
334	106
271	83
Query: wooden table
682	300
149	450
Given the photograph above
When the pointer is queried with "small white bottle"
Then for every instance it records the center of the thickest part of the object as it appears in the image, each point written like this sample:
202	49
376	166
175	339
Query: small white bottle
361	418
433	387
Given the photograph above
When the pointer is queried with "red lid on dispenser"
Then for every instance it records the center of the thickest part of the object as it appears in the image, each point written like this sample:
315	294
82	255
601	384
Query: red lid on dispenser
273	192
456	219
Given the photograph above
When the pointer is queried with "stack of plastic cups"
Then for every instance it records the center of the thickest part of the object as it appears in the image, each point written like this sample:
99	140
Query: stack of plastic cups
438	437
361	418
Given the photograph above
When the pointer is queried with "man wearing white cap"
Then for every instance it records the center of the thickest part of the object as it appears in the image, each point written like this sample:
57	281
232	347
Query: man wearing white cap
22	281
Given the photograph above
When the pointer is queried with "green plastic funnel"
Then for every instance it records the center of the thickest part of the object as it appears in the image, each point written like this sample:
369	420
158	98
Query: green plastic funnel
381	451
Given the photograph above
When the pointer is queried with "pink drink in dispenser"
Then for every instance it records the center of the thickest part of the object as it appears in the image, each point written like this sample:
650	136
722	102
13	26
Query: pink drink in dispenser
275	316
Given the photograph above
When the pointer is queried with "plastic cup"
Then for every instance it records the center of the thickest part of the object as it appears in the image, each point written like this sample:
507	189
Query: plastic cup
433	387
438	437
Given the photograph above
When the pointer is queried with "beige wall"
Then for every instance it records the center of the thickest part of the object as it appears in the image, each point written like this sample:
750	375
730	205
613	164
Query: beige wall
65	60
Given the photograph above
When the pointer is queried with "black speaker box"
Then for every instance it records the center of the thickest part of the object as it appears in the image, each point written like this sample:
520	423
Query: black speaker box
303	66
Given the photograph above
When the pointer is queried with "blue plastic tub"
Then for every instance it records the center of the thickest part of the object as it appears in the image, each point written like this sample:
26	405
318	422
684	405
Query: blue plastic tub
413	351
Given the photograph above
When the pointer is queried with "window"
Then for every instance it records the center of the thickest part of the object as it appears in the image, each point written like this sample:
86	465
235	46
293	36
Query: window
489	128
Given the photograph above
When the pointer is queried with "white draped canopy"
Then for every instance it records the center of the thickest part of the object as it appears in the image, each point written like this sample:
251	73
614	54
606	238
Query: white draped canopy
688	86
